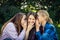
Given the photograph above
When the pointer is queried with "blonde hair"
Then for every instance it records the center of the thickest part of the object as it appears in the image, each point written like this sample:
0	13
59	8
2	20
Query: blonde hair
45	13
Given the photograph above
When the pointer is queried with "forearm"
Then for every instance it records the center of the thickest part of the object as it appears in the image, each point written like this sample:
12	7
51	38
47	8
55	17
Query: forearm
22	35
27	34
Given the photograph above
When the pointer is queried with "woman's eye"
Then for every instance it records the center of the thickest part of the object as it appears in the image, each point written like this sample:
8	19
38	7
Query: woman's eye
33	19
30	18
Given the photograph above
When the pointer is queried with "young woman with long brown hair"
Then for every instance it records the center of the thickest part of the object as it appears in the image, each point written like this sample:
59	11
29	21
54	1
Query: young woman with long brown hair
15	28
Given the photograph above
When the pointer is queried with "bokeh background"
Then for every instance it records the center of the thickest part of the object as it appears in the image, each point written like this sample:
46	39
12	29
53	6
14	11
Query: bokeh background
8	8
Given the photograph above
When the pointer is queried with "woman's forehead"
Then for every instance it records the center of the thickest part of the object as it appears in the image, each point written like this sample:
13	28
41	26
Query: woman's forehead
24	16
31	16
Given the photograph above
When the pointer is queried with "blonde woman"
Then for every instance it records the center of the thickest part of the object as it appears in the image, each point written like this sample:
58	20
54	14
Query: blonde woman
15	28
45	30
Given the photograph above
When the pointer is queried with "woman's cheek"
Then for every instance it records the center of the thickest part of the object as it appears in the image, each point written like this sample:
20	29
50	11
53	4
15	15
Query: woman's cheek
23	21
28	21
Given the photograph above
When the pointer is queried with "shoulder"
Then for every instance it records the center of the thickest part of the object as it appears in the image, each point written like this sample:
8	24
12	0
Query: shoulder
33	29
10	25
50	26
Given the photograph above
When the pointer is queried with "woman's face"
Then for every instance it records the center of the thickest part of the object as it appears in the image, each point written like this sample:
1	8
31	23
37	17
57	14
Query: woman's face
31	19
23	21
40	17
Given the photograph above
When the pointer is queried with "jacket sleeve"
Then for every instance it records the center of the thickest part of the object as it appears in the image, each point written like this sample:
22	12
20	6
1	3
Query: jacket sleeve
22	35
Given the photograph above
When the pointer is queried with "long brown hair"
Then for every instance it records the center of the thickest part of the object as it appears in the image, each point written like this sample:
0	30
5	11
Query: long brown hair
16	20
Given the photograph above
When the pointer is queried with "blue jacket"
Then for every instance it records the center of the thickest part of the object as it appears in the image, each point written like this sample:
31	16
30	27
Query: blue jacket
49	33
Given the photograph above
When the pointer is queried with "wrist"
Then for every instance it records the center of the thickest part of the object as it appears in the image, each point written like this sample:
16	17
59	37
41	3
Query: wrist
27	31
37	30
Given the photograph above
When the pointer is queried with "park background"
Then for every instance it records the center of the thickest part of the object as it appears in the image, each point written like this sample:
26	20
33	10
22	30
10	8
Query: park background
8	8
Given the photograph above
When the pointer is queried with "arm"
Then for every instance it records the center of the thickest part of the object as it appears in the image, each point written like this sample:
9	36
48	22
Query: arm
49	34
13	34
11	31
22	35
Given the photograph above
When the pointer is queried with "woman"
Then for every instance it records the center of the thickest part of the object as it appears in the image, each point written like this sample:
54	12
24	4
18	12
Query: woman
30	33
15	28
45	30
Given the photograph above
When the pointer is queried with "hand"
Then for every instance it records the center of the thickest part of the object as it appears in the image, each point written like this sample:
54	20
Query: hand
24	25
37	25
30	26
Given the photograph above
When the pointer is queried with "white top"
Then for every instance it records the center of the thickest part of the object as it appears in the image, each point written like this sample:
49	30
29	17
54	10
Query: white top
10	32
